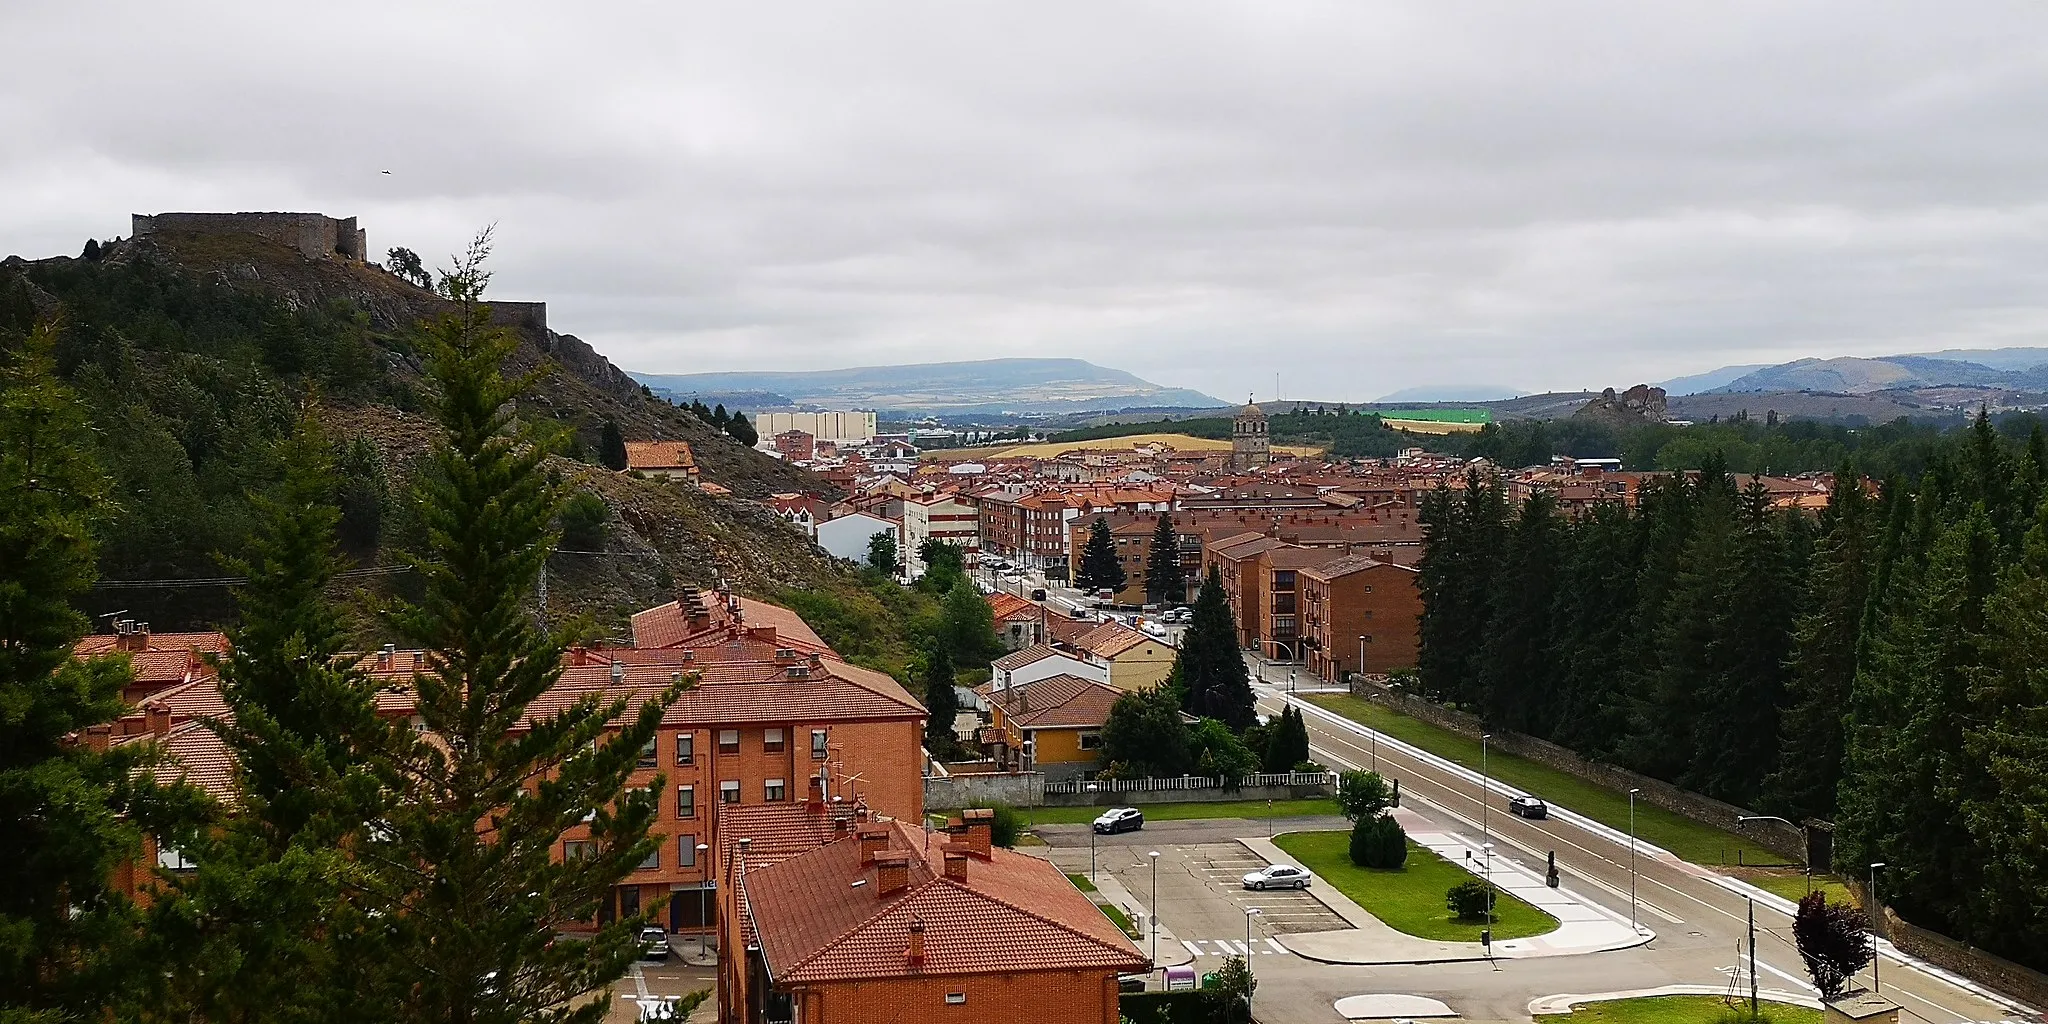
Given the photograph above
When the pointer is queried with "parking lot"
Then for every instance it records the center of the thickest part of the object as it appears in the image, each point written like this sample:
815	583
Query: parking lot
1202	900
652	979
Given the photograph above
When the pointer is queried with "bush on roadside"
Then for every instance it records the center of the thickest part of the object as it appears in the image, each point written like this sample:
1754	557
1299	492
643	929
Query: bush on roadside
1379	843
1469	899
1004	830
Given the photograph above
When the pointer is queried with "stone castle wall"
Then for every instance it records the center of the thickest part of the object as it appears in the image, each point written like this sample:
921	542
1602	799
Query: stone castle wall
314	235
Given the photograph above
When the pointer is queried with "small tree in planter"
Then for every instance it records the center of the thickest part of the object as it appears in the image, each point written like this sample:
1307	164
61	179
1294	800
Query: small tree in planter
1834	940
1468	900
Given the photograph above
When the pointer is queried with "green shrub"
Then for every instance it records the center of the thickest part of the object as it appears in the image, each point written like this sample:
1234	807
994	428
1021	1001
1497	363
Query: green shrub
1379	843
1007	826
1469	899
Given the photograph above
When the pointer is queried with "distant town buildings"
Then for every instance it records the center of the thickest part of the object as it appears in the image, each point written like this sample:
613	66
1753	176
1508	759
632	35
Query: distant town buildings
837	427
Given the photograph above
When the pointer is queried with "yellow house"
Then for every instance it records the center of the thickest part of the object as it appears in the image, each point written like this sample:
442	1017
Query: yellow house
1051	725
1133	660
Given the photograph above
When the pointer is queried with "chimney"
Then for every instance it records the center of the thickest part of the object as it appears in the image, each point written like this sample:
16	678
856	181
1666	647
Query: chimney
814	795
956	861
99	737
618	670
874	838
159	718
978	823
892	871
419	660
914	956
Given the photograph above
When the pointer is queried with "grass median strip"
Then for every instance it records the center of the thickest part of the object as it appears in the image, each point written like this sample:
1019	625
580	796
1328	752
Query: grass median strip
1410	899
1185	812
1683	1010
1701	844
1081	882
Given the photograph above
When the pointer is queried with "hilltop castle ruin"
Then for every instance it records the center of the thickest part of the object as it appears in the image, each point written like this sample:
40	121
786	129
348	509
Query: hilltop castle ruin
314	235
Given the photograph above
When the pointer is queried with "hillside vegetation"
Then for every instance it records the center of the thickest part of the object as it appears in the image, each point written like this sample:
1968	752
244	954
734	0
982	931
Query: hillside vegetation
195	355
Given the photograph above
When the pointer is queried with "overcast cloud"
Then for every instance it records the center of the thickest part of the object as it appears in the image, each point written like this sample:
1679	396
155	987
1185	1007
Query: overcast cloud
1358	196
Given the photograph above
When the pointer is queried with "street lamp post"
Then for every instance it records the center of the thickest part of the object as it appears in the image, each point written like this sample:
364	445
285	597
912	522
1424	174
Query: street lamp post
1091	853
703	915
1876	908
1632	859
1485	790
1249	913
1361	655
1488	847
1154	908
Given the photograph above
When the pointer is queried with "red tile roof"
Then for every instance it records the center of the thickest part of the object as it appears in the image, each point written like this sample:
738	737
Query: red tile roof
659	455
1055	702
1109	640
1007	606
814	924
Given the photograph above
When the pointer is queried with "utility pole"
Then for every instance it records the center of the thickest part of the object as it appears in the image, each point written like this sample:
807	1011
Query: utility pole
1752	959
1876	908
1632	859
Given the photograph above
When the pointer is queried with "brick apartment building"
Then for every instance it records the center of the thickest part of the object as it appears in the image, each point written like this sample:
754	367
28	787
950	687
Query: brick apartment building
946	517
795	445
847	920
1034	527
1359	614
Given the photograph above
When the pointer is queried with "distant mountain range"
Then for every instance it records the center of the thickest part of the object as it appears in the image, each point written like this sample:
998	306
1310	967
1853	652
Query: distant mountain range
1451	393
987	386
1708	381
2019	369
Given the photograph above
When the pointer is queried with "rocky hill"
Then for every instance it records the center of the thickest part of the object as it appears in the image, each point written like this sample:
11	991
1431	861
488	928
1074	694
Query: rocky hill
194	353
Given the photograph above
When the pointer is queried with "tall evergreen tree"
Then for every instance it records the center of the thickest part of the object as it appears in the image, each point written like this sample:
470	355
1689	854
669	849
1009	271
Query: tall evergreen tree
62	830
941	704
1464	537
719	417
969	625
741	430
1166	581
1210	666
1735	738
1517	666
611	446
1824	650
1597	599
1100	569
484	795
267	928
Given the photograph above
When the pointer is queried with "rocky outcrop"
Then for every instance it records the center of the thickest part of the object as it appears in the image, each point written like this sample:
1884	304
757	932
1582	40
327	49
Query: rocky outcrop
1637	406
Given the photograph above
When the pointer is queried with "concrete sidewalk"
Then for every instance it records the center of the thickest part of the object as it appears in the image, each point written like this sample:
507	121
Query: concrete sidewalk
1583	926
1108	889
1564	1002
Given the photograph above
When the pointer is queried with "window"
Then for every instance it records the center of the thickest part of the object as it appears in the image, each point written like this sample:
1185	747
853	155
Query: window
771	740
686	801
686	851
818	744
1368	588
771	790
649	758
1091	741
956	998
729	791
686	749
1367	638
170	858
653	860
579	849
728	741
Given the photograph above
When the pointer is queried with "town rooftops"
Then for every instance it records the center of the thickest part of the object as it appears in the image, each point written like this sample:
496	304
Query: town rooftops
1341	567
659	455
1109	640
1055	702
1017	659
1010	606
896	900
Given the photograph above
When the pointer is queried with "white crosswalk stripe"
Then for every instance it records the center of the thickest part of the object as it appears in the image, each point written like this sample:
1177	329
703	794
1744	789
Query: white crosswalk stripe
1232	947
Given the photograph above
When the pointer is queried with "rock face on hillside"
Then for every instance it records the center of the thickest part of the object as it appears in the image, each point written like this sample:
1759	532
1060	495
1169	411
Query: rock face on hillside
1636	406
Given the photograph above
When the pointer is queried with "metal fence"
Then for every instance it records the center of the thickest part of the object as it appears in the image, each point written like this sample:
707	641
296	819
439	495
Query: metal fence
1185	782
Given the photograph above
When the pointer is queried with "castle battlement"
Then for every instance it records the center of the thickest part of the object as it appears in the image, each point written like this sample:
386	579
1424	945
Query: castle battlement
314	235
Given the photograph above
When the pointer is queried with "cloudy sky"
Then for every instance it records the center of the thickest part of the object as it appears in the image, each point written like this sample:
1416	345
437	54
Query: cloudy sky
1359	196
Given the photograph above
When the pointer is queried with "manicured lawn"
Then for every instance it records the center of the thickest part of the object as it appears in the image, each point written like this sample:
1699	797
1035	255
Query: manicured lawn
1411	899
1082	883
1183	812
1701	844
1792	885
1684	1010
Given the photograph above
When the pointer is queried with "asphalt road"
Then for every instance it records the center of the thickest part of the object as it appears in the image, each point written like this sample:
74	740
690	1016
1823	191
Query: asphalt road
1700	925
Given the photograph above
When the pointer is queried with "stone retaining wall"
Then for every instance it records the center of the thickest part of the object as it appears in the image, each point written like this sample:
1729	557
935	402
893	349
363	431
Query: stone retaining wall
1778	838
1142	797
1989	969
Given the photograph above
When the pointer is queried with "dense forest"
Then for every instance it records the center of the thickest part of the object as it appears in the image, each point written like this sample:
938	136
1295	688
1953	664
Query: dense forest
1877	665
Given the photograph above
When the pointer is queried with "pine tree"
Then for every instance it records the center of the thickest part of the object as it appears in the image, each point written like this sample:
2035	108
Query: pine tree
611	446
91	253
2009	737
484	795
1210	666
719	417
969	625
265	929
1518	671
741	430
1735	740
1597	634
1166	581
1100	569
941	704
1823	668
62	830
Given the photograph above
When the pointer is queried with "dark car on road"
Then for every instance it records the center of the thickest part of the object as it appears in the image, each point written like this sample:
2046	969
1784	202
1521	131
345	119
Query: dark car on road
1527	807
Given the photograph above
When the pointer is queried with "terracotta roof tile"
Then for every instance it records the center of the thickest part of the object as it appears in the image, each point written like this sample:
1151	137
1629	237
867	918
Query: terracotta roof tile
1109	640
659	455
1006	606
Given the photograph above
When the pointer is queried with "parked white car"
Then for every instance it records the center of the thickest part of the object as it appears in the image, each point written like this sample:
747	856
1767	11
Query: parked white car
1277	876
